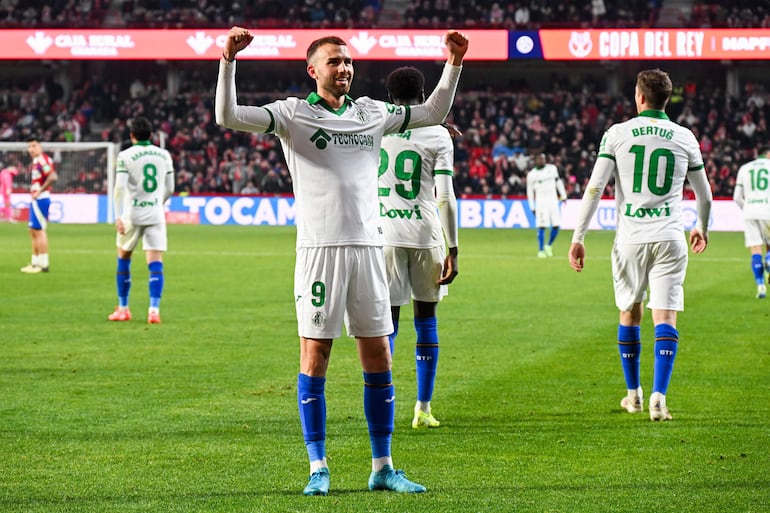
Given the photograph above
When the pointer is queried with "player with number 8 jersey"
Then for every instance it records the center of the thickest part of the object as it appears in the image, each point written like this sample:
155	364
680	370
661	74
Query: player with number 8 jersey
144	180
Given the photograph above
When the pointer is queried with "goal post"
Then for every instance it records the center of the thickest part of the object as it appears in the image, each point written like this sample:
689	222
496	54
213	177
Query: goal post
82	167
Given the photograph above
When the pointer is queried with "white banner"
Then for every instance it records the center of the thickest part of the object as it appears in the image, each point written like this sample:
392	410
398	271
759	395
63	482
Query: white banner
65	208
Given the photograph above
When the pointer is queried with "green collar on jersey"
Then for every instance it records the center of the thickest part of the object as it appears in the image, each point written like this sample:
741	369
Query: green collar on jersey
142	143
650	113
314	98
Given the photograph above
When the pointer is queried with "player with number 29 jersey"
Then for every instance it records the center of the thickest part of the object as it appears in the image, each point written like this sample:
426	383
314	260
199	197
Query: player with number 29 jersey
147	169
409	163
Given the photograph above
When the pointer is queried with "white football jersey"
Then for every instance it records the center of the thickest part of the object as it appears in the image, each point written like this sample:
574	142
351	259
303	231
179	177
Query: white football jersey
652	156
753	185
408	163
333	157
544	187
147	166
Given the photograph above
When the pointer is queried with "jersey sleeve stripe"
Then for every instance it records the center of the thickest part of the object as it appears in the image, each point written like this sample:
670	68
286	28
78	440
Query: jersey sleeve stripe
696	168
443	172
271	127
407	117
607	156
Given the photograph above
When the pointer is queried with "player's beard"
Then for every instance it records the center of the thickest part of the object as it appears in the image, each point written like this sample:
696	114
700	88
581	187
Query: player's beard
337	89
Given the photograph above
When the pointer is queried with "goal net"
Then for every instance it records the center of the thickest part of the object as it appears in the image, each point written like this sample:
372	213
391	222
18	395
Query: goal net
82	167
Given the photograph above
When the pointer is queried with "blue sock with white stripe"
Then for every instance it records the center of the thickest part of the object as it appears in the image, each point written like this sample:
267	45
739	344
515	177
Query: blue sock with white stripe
311	400
666	342
156	283
426	356
123	279
630	347
380	411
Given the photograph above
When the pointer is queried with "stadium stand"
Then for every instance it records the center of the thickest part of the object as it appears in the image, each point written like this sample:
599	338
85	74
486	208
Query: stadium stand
502	129
503	126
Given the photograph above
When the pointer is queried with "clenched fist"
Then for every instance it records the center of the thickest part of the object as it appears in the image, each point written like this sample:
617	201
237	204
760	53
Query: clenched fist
457	44
237	39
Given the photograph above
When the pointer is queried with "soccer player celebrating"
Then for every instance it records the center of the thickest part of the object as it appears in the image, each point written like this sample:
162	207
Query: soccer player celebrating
43	177
144	180
545	193
332	145
650	157
752	194
415	222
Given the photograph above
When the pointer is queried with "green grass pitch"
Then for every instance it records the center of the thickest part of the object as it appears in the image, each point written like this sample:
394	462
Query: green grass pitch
199	414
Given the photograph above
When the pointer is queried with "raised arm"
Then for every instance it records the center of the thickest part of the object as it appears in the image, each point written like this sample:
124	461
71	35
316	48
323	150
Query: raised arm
227	112
439	103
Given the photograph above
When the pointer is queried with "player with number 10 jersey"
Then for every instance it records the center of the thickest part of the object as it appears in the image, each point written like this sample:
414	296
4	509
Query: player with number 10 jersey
652	158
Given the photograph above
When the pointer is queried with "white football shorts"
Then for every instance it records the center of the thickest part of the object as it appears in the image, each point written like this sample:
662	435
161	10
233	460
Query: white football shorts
548	215
661	266
153	237
757	232
413	274
340	284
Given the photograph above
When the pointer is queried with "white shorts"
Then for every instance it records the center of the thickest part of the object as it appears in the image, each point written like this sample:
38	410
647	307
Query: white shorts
659	265
757	232
153	237
548	215
414	273
341	283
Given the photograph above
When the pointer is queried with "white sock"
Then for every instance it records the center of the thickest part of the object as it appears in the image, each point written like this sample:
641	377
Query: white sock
43	260
34	260
317	465
423	406
379	463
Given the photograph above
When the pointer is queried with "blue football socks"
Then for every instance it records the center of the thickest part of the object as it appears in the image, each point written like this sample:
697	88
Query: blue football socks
666	342
156	283
312	414
630	347
758	268
392	338
380	410
426	356
554	233
123	278
540	238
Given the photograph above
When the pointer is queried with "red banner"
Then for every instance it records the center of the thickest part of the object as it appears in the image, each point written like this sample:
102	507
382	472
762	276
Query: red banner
183	44
666	44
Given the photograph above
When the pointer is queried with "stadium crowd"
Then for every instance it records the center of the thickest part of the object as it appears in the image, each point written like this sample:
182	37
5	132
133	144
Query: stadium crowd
502	130
531	14
321	13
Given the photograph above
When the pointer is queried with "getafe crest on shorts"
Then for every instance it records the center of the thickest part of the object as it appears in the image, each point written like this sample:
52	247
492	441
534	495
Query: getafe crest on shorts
318	319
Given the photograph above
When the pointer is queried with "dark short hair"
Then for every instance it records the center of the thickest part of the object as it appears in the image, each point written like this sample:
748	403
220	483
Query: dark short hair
656	87
318	43
405	84
33	138
141	128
